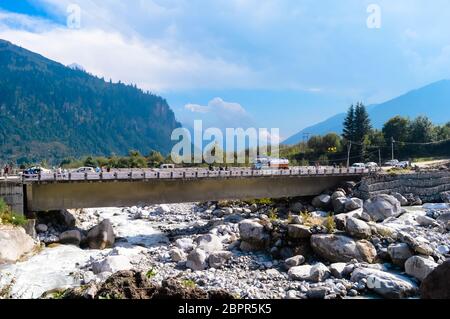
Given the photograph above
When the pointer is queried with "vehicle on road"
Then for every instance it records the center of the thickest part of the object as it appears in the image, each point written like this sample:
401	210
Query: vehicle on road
270	163
391	163
84	170
359	165
167	166
403	164
35	170
372	165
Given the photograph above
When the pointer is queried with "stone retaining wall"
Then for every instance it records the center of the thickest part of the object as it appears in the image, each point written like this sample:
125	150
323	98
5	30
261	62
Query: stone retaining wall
427	185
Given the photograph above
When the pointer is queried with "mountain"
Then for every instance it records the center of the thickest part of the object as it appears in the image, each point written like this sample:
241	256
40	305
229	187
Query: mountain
49	111
76	66
432	100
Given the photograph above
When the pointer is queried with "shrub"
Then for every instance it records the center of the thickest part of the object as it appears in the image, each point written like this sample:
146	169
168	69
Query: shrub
330	224
188	283
151	273
9	217
273	214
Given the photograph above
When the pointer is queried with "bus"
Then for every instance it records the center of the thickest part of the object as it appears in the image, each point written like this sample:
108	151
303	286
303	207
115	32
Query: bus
270	163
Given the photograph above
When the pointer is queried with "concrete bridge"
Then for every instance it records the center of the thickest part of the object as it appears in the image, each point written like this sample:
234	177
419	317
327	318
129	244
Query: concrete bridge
46	192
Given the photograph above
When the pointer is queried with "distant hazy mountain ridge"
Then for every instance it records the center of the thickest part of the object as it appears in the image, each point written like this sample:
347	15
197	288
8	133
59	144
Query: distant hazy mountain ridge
432	101
49	111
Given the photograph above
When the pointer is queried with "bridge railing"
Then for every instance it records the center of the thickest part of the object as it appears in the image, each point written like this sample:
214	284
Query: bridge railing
190	174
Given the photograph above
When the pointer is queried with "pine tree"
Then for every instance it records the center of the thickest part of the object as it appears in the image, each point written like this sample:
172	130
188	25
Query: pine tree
349	124
362	128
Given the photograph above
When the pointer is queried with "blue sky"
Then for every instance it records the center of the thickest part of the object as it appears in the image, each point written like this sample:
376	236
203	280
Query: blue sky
264	63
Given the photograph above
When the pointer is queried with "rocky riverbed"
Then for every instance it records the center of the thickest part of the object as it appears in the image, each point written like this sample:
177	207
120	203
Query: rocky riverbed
263	249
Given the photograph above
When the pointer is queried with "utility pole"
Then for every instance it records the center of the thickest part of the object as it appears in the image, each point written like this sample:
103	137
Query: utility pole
392	147
379	157
349	147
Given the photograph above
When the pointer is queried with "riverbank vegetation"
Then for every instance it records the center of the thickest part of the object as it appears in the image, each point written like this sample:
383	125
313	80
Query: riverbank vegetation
8	217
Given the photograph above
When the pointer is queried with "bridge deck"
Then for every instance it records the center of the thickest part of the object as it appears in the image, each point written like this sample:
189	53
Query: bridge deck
174	174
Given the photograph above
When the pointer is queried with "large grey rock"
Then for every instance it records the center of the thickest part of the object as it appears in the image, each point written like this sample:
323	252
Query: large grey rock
219	258
317	292
419	267
41	228
402	200
399	253
185	244
338	194
421	248
176	254
353	204
70	237
299	231
294	261
382	206
319	272
111	264
209	243
388	285
300	273
296	207
445	196
196	260
426	221
66	219
321	201
337	269
338	248
357	228
14	243
316	273
444	218
383	230
435	285
252	232
339	204
30	228
101	236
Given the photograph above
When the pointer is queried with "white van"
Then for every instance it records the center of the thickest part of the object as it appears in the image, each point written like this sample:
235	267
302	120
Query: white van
167	166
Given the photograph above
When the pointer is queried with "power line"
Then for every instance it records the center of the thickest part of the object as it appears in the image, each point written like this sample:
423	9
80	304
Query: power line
428	143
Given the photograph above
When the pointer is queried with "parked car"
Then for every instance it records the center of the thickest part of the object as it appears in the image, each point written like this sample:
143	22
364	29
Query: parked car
371	165
403	164
84	170
35	170
391	163
359	165
167	166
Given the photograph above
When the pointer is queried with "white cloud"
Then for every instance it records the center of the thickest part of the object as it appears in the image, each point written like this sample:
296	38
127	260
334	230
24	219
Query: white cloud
195	108
153	64
219	113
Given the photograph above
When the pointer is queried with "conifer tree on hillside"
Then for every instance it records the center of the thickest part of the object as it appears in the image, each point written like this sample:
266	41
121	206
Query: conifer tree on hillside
349	124
356	129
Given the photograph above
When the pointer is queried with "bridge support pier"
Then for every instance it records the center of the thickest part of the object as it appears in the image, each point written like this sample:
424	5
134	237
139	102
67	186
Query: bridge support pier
13	194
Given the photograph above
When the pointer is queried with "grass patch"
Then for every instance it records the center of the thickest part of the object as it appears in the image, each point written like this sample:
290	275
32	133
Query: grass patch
330	224
188	283
151	273
273	214
8	217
